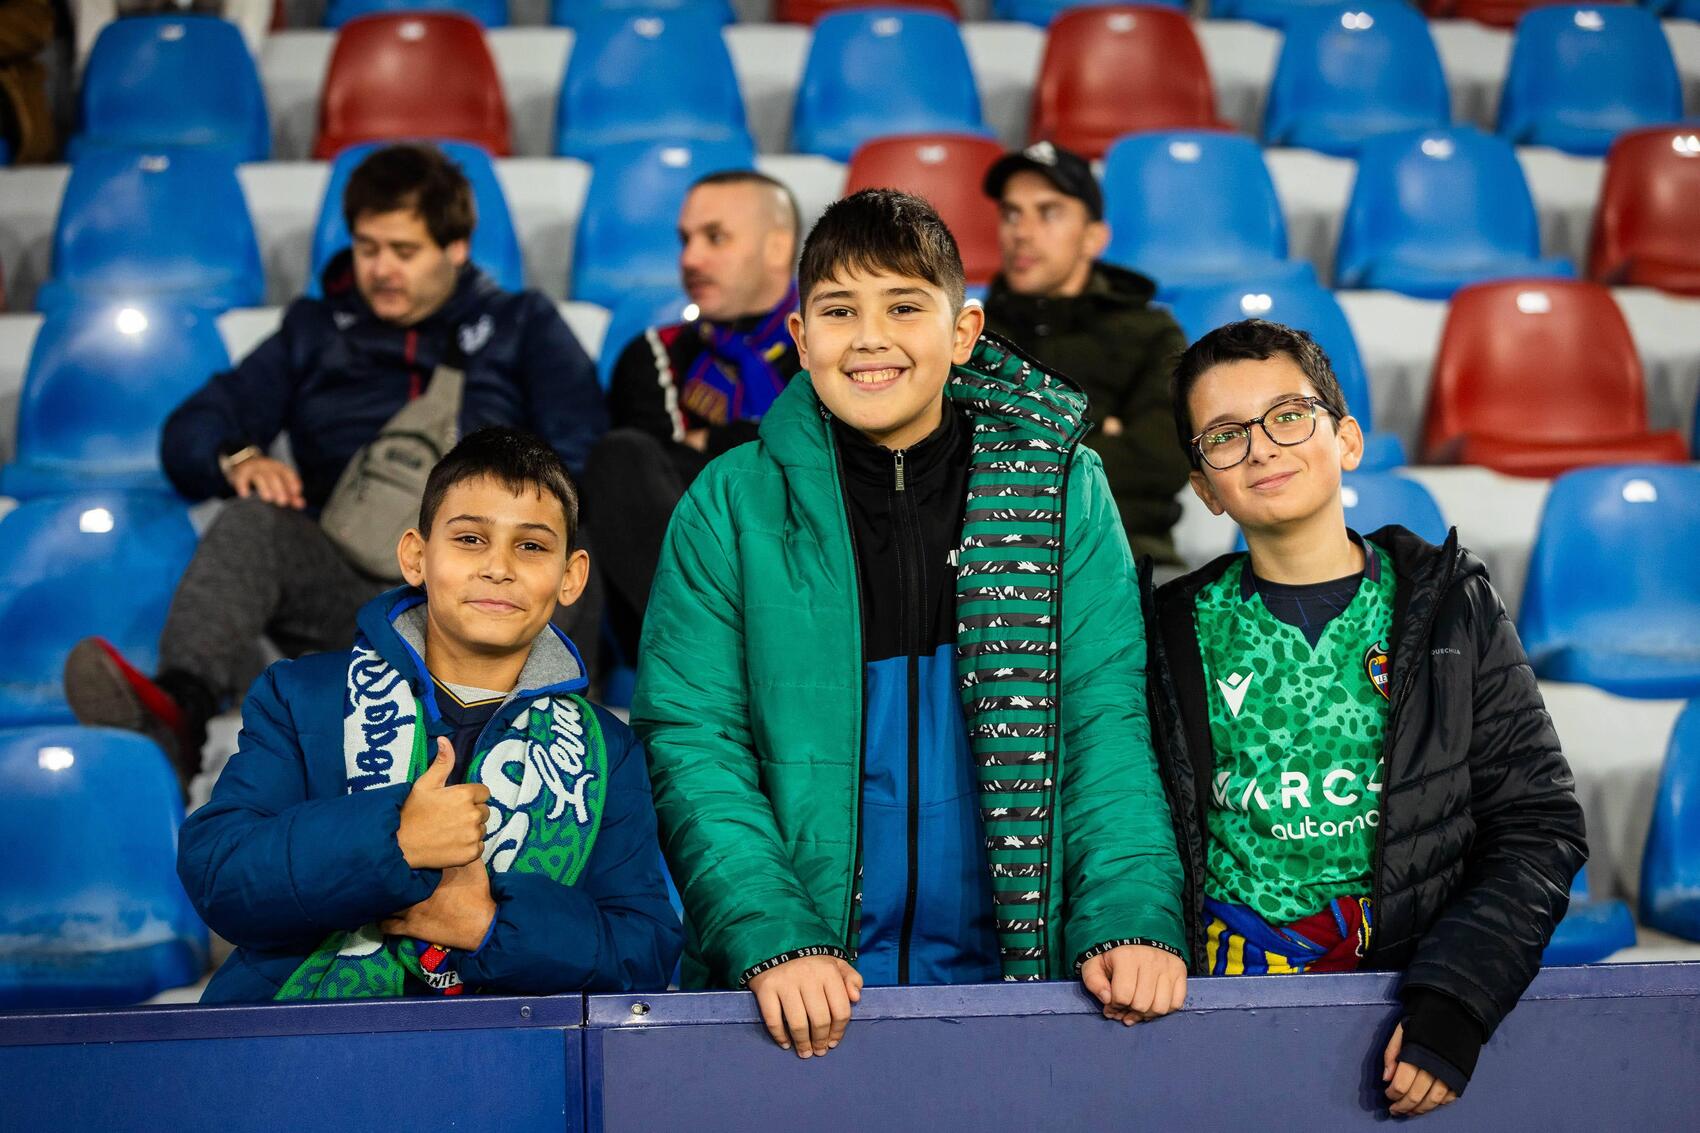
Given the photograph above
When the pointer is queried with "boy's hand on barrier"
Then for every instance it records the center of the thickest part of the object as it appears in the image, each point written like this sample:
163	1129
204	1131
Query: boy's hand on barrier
457	915
806	1002
1135	982
442	826
1413	1092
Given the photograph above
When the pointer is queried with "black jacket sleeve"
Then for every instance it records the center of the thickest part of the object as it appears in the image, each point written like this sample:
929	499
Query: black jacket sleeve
1486	946
245	406
564	398
637	399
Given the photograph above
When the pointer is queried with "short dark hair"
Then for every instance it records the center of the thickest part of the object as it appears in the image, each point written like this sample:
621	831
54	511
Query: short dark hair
416	176
753	177
1250	340
512	457
879	230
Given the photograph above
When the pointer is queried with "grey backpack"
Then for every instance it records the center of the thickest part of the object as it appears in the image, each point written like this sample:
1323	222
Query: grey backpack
376	499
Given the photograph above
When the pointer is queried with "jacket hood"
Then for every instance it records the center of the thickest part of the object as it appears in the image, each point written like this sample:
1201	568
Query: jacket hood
1108	288
998	382
473	290
393	623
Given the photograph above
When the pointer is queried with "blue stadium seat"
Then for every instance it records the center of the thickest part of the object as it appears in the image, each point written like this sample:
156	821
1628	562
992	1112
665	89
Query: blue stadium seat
1433	210
1374	499
1309	308
1040	13
98	562
495	246
1591	930
1351	72
490	13
1195	208
1670	865
169	225
1270	13
187	80
100	383
94	914
577	13
633	315
875	72
1613	593
611	93
626	235
1580	76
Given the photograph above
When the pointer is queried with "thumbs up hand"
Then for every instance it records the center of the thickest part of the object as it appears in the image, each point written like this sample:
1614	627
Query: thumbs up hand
442	826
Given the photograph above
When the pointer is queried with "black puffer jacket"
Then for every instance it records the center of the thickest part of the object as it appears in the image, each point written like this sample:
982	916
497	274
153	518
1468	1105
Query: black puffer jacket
1480	830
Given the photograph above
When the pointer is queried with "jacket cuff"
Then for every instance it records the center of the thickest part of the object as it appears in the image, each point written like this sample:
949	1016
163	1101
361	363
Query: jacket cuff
755	970
1122	942
1441	1036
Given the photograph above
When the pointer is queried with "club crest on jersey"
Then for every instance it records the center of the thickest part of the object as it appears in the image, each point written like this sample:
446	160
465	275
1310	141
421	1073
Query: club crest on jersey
1379	671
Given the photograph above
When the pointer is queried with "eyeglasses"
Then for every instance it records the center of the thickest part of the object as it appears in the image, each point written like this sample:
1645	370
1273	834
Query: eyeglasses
1292	422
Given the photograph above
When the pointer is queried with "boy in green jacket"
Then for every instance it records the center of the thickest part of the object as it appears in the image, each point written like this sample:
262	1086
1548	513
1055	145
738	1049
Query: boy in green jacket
892	676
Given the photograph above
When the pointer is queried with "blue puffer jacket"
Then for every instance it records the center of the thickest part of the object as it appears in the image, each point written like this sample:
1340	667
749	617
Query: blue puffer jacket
282	855
334	373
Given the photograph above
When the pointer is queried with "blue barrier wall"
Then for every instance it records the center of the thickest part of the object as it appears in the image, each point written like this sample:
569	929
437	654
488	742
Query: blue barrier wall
1602	1048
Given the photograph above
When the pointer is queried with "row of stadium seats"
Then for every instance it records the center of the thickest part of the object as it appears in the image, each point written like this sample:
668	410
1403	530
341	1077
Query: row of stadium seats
1578	77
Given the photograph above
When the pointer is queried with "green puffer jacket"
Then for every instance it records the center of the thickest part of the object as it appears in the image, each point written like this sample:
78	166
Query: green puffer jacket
750	692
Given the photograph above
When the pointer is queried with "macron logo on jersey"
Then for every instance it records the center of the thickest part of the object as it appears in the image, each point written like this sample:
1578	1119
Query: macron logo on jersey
1234	690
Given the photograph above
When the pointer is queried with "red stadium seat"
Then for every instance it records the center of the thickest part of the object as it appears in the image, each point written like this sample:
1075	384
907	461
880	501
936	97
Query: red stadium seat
1539	376
1646	232
1494	13
946	169
1110	71
408	75
808	11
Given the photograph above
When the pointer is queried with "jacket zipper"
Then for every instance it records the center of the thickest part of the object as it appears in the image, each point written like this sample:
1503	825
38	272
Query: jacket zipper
851	942
910	569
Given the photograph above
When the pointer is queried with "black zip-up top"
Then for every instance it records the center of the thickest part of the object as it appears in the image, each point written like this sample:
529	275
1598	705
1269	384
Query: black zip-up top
1480	830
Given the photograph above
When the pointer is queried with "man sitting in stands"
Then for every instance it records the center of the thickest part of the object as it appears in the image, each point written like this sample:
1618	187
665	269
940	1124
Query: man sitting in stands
682	395
441	809
1093	322
401	303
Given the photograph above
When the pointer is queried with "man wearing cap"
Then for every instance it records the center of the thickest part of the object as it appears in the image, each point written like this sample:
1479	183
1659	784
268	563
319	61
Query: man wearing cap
1093	322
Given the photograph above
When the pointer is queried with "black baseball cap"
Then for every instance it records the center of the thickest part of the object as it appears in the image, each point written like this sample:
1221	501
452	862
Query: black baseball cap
1068	171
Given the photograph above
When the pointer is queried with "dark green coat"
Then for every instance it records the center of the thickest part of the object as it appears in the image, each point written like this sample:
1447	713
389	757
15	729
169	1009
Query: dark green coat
750	692
1114	345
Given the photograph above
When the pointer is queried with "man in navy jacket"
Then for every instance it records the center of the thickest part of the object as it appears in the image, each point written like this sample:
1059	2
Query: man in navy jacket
402	300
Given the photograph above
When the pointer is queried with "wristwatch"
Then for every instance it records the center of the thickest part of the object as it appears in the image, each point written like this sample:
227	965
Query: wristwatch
227	464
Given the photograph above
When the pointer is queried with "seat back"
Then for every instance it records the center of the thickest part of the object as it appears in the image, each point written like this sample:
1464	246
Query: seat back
1270	13
411	75
100	384
1041	13
1200	201
489	13
875	72
1616	563
94	913
810	11
1452	197
71	566
1579	76
626	238
1303	306
633	315
1535	359
174	81
1351	72
1110	71
612	91
1493	13
948	170
170	225
495	245
574	13
1646	230
1670	863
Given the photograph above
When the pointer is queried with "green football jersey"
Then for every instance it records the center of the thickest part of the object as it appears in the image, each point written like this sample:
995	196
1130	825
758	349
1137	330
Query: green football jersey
1296	733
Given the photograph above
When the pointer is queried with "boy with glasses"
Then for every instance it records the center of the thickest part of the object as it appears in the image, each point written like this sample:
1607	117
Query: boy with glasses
1361	769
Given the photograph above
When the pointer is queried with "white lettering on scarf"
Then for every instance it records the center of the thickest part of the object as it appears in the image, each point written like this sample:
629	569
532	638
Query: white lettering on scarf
518	769
377	724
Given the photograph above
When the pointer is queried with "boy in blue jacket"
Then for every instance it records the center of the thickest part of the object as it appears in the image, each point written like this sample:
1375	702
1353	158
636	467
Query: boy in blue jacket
440	809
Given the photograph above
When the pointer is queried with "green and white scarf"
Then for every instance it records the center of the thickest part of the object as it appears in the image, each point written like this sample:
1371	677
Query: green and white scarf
547	771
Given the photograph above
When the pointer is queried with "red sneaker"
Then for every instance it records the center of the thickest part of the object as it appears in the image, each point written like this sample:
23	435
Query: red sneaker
106	691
